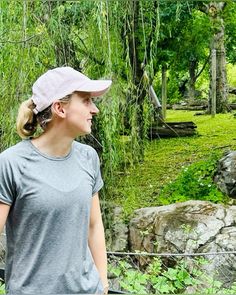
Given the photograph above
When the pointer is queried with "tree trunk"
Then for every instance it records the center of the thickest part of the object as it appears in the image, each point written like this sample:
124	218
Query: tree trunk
192	78
215	11
213	83
173	129
138	92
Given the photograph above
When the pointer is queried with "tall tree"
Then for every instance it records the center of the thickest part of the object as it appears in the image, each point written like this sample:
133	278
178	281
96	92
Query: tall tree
133	25
215	11
192	49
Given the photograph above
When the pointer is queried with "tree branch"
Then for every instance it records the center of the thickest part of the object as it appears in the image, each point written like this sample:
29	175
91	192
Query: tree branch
93	58
203	7
20	41
203	67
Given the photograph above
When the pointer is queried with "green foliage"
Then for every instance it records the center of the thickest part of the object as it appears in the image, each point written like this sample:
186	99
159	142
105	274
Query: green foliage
194	182
230	29
157	279
2	288
140	186
97	38
231	70
173	93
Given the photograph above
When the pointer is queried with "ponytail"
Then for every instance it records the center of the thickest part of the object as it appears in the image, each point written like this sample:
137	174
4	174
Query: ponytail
26	123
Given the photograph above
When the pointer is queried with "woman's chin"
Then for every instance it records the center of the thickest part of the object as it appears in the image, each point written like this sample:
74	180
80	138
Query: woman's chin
85	132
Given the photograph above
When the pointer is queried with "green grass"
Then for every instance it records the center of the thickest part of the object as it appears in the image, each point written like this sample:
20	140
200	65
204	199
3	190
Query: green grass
140	186
231	74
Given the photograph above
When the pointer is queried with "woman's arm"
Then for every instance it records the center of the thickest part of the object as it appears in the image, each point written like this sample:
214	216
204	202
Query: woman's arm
96	241
4	210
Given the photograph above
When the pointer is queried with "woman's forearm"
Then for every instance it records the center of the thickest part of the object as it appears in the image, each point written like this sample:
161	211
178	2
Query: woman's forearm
97	247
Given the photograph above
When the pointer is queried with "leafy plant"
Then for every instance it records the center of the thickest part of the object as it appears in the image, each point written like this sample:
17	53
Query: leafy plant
2	288
194	182
158	279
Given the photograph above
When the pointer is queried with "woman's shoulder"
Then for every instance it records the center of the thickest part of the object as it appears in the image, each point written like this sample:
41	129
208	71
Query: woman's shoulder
85	149
14	152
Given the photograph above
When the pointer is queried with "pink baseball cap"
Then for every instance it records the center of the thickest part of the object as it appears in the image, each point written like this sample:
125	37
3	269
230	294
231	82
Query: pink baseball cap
59	82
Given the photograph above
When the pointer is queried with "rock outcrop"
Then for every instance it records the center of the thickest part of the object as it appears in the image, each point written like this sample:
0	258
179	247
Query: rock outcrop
225	176
189	227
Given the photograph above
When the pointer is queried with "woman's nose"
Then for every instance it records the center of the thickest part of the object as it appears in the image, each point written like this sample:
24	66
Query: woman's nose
94	109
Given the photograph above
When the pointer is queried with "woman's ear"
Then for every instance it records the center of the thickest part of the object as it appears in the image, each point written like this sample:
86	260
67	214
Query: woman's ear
58	108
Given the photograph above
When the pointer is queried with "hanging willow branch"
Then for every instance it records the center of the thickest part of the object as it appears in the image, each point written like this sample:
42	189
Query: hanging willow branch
21	41
90	56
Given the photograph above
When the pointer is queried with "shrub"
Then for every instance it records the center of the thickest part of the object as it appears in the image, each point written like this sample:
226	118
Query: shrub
194	182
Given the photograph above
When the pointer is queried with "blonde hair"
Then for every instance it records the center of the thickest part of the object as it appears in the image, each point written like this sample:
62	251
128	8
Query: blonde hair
27	121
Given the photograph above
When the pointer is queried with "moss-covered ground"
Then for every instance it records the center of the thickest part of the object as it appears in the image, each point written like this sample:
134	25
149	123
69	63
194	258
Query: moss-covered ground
139	186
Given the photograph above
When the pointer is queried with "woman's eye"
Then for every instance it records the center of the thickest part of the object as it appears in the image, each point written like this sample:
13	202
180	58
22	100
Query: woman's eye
87	100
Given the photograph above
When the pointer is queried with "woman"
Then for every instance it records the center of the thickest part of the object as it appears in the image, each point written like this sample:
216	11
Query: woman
49	191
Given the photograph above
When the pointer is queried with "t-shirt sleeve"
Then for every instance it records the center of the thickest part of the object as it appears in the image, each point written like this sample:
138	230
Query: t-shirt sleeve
7	184
98	181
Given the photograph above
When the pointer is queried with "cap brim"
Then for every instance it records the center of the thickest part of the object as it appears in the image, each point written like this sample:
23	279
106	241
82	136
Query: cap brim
95	87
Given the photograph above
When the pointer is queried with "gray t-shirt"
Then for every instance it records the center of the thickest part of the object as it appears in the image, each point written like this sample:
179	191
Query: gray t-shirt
48	222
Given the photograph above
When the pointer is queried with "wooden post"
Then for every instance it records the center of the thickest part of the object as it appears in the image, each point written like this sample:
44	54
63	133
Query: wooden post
213	83
163	91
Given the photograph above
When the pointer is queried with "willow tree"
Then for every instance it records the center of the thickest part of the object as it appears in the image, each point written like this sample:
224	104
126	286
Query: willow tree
25	52
136	37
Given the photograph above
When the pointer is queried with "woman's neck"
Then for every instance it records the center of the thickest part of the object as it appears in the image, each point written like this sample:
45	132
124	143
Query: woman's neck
52	144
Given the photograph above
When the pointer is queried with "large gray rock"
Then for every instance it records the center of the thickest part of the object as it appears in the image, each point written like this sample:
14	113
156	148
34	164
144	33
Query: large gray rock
189	227
225	176
117	236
